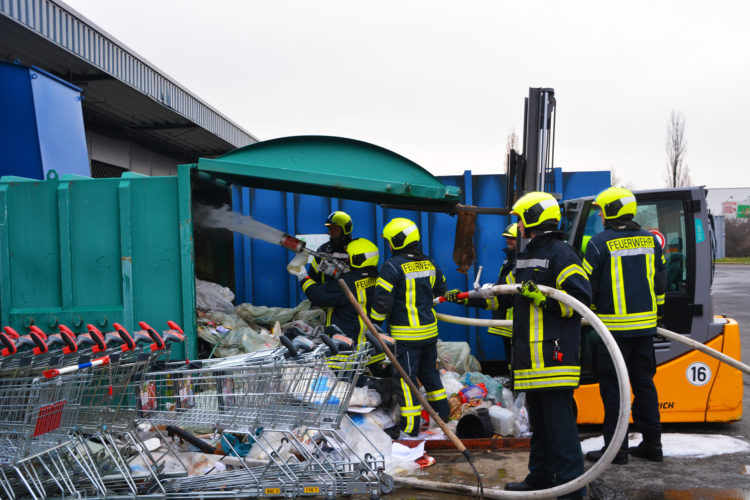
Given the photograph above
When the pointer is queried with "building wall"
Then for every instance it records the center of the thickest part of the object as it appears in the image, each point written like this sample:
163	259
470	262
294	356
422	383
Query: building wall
125	154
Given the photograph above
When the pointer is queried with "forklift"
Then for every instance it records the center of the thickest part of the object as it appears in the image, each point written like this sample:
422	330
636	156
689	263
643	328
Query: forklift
692	386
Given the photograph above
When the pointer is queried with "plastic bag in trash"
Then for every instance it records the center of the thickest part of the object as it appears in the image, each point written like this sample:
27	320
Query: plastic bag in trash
521	416
264	315
451	383
456	356
364	396
365	437
237	341
212	297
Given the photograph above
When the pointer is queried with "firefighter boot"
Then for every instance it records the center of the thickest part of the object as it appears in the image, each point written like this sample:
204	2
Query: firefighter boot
620	459
649	448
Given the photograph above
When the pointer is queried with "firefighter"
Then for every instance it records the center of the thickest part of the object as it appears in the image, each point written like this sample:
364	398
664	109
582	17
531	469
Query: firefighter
510	233
363	259
406	287
546	344
340	227
628	278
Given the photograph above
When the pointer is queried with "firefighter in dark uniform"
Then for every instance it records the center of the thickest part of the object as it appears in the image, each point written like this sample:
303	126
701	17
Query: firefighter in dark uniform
406	287
510	233
546	344
340	227
361	278
628	278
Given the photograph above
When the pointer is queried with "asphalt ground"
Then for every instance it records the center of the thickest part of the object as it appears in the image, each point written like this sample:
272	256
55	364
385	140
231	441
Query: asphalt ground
717	477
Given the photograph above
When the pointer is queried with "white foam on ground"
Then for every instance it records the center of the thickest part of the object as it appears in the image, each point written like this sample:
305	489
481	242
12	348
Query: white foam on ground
683	445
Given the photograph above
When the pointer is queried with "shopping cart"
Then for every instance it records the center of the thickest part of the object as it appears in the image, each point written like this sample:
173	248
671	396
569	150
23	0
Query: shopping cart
105	426
97	442
36	414
296	398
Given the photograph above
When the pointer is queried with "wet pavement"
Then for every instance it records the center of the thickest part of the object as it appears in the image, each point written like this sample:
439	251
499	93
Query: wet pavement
714	478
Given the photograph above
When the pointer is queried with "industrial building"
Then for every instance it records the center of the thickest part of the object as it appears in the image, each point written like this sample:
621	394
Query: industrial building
136	117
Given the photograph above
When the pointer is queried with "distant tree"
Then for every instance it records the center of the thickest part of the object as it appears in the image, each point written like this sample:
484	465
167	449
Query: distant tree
737	237
511	142
616	181
677	173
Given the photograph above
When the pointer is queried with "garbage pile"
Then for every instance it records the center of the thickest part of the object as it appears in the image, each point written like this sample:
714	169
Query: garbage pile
481	406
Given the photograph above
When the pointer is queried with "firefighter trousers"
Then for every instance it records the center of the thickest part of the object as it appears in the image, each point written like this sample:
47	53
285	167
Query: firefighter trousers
419	362
555	456
638	353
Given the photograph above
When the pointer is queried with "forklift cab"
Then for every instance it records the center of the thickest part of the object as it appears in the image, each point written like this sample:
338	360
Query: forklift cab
680	220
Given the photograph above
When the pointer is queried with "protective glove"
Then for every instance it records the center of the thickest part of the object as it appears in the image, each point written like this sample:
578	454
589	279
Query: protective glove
301	275
332	268
531	291
660	316
452	296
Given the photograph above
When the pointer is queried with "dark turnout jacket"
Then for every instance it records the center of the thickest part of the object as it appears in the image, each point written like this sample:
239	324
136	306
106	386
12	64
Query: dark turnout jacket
628	278
540	331
407	284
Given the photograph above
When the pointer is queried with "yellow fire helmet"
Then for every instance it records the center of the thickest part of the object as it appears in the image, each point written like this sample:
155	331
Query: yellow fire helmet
616	202
511	231
362	253
400	232
536	208
342	220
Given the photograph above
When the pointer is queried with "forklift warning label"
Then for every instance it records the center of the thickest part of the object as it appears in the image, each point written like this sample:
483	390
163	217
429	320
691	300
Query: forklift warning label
698	373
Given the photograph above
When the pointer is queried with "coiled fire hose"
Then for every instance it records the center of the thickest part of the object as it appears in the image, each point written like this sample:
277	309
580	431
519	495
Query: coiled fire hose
622	418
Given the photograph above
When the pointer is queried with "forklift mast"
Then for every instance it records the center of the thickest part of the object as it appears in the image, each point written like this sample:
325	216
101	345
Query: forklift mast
532	170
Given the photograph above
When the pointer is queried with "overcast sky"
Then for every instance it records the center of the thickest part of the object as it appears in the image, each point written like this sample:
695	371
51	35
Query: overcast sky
443	83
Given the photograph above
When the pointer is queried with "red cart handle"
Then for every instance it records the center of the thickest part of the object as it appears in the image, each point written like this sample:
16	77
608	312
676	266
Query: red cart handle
11	332
38	331
67	340
10	346
128	343
175	326
158	344
93	338
33	338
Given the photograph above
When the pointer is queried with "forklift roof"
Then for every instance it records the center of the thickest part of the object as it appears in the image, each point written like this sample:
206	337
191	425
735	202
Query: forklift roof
332	166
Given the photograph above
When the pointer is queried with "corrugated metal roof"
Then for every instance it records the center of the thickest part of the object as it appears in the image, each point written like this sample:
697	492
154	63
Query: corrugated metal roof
53	36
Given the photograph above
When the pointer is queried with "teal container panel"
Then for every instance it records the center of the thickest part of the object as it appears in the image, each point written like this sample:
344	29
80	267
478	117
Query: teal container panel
76	250
90	232
30	259
155	254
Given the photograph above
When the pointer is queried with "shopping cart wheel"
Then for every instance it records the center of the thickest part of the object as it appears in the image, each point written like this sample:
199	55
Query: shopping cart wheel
385	481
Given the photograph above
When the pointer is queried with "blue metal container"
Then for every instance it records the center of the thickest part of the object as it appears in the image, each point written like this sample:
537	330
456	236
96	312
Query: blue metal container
42	124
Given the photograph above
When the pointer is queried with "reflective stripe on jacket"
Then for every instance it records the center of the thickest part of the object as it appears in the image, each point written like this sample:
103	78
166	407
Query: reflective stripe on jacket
339	311
407	284
538	331
628	277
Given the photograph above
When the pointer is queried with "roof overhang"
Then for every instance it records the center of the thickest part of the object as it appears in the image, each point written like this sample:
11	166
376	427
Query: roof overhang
334	167
124	95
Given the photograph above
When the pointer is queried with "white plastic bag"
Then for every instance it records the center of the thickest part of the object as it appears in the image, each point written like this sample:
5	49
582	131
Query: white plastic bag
451	382
213	297
521	414
456	356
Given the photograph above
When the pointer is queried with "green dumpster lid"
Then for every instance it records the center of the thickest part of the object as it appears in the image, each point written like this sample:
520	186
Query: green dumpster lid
332	166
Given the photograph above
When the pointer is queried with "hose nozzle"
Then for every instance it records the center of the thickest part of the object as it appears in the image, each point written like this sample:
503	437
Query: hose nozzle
292	243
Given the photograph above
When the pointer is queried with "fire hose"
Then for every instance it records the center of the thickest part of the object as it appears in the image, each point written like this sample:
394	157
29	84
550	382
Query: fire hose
611	451
622	418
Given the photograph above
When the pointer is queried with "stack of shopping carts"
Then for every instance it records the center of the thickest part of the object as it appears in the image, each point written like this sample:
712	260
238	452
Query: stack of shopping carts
276	400
62	402
70	407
